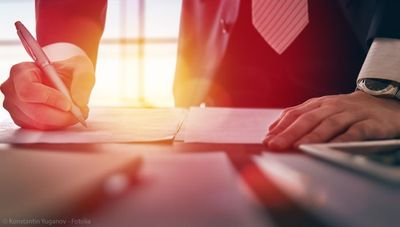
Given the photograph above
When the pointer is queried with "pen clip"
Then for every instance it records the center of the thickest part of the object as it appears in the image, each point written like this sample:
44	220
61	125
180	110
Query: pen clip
26	46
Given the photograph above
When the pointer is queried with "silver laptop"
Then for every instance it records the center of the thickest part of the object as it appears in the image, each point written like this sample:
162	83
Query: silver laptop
379	159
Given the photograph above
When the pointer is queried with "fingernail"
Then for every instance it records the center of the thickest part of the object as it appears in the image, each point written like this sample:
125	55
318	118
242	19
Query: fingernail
277	143
271	132
271	127
267	138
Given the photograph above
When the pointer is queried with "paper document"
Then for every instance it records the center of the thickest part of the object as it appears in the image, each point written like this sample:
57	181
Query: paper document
229	125
105	125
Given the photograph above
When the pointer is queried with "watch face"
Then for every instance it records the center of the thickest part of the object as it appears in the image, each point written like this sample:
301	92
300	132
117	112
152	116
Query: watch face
376	84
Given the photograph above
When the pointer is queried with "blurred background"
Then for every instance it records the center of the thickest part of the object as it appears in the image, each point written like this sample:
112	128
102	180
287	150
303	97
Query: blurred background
137	53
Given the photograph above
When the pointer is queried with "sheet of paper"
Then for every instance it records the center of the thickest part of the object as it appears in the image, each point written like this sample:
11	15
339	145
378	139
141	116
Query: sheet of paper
229	125
105	125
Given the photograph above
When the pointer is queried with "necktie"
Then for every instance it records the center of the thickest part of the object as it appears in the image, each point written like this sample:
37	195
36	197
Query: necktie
280	21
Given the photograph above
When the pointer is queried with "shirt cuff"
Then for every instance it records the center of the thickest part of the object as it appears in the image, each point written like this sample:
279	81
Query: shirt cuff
382	61
62	51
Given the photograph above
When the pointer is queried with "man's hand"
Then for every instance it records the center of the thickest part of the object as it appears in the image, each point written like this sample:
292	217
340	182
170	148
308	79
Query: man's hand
339	118
34	103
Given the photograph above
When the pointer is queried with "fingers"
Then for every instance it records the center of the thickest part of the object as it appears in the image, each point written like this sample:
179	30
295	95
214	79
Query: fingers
363	130
300	127
47	115
18	117
330	128
81	71
28	88
36	116
291	114
275	123
41	94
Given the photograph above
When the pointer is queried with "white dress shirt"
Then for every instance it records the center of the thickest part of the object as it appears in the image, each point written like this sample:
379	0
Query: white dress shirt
382	61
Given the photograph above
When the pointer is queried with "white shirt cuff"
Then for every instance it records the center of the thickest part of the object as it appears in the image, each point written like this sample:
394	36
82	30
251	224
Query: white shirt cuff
62	51
382	61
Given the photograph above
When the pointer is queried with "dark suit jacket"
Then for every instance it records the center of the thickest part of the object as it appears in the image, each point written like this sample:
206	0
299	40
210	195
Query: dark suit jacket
205	33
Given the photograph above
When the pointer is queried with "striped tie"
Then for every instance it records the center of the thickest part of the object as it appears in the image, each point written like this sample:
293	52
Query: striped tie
280	21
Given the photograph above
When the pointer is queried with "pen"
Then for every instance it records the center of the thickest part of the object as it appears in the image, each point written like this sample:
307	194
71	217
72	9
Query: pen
42	61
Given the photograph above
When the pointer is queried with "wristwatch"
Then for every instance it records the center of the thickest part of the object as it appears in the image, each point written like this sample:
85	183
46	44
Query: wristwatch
380	87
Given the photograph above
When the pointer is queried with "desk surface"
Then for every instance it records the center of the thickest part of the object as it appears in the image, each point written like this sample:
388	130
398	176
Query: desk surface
343	197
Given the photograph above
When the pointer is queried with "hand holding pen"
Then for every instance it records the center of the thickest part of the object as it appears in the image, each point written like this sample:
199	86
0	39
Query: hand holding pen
44	95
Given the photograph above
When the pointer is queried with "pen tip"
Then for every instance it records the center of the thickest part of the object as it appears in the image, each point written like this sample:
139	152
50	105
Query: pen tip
84	124
78	114
82	121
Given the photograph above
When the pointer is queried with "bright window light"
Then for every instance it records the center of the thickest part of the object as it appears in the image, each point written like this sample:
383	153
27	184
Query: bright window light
137	54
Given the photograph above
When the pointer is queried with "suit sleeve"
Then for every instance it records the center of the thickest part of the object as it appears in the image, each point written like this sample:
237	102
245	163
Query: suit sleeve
80	22
383	58
385	23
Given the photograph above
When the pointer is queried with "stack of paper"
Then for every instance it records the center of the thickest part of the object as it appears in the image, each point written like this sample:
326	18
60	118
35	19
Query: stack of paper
105	125
229	125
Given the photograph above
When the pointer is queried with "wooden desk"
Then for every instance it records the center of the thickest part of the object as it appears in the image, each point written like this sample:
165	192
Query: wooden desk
277	207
